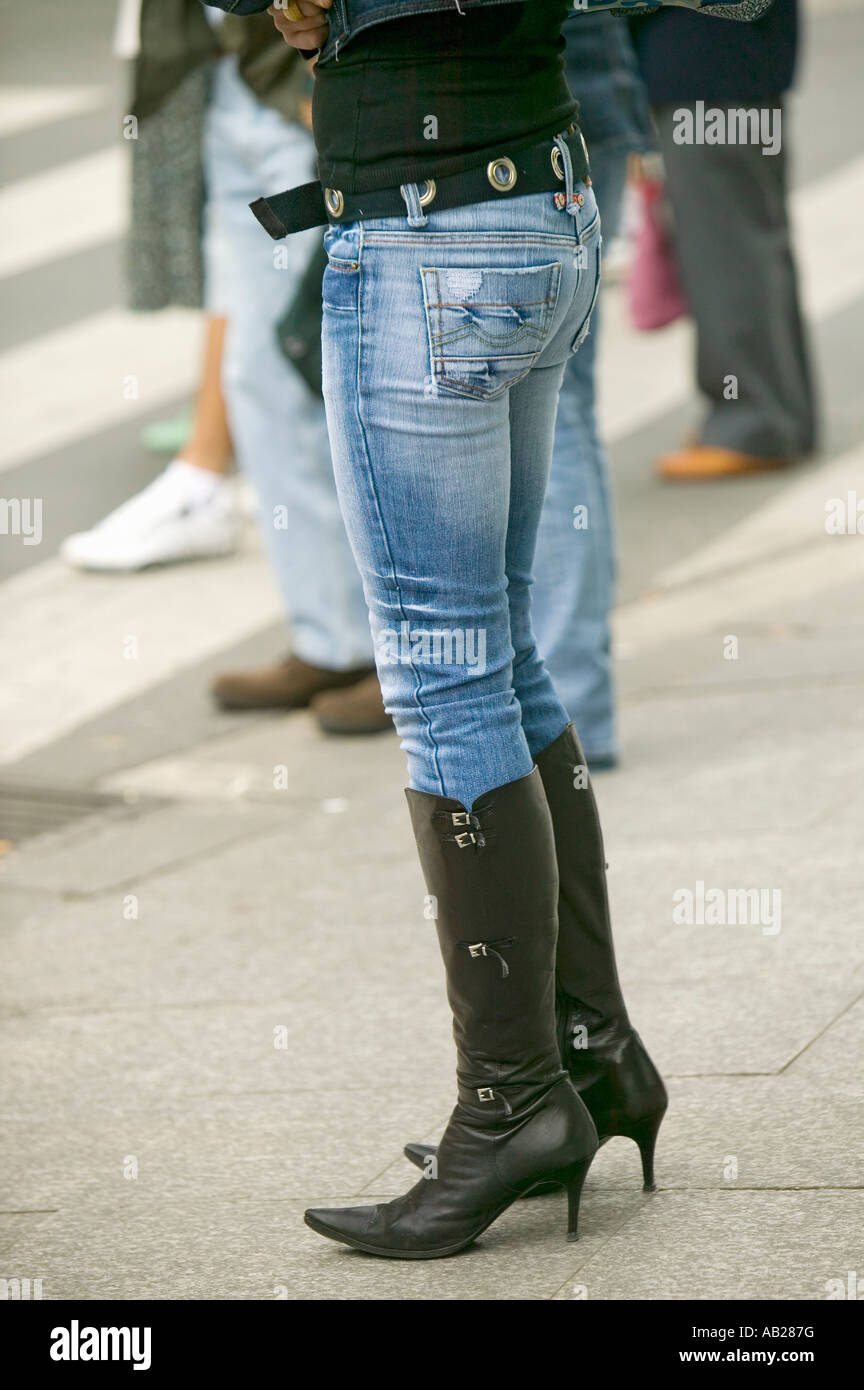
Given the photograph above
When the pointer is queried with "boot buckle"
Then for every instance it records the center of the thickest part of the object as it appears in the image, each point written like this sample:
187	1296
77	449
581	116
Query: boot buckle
485	1093
466	838
487	948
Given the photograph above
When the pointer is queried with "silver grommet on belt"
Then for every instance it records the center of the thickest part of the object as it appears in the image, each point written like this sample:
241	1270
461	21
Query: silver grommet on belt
334	201
428	193
504	166
556	162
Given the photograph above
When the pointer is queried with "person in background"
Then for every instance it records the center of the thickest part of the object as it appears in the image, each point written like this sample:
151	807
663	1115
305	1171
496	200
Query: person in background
738	271
574	563
219	104
189	511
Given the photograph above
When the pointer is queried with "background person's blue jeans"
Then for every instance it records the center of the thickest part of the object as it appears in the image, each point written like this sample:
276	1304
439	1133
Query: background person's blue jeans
444	346
575	564
277	425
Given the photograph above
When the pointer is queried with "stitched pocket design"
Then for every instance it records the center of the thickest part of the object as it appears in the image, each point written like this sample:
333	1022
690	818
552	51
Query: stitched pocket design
487	325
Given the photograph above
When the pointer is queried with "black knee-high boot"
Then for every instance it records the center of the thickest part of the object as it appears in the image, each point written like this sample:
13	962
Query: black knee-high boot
518	1121
603	1054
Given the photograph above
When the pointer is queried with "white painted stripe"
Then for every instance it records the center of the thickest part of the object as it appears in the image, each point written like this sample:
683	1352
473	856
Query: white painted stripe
643	375
785	554
819	8
66	635
640	376
63	210
25	108
194	778
65	386
794	518
719	602
826	221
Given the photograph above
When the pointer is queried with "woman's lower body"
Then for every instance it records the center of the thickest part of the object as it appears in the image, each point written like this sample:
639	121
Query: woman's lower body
445	340
444	350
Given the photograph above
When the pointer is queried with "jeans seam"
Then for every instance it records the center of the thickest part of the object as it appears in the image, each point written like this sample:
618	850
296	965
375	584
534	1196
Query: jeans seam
479	238
418	682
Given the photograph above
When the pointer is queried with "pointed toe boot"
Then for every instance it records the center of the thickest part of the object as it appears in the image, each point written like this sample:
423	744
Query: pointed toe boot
519	1121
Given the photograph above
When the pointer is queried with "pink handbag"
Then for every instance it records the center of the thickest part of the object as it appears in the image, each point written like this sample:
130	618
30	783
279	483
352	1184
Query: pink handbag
655	296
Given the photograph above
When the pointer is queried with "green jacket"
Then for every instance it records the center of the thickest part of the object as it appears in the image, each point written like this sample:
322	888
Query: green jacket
176	38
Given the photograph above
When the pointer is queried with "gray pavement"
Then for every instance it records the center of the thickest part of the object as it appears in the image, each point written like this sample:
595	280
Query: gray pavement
270	1027
221	1002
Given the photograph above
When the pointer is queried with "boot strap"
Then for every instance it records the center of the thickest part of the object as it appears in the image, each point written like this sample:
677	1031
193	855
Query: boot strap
490	948
473	835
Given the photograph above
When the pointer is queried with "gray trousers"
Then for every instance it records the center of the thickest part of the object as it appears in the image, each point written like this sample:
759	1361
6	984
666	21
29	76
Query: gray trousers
735	258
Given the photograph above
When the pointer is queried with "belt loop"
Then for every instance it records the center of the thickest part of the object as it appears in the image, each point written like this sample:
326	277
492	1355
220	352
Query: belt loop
411	193
571	204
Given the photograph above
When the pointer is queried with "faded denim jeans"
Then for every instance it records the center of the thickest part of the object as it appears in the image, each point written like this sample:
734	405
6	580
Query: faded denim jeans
444	346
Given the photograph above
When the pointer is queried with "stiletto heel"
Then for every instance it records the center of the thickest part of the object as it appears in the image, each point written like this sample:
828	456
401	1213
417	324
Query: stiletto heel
574	1184
645	1135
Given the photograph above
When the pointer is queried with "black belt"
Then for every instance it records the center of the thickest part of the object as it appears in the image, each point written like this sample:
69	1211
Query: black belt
534	170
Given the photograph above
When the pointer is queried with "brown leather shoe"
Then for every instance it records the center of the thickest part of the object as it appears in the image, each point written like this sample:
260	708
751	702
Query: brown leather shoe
705	461
291	684
359	710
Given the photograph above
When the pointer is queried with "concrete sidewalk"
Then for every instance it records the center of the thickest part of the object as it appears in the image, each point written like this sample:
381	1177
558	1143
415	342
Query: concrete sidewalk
223	1003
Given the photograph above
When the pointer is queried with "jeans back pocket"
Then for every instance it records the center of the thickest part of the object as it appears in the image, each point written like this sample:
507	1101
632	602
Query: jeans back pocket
487	325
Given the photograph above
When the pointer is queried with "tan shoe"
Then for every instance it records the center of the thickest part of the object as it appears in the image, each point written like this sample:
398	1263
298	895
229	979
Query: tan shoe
359	710
704	461
291	684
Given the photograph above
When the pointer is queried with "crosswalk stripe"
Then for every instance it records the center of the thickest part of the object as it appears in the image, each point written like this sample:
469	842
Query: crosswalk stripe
738	596
788	521
26	108
61	211
75	645
826	218
782	553
97	373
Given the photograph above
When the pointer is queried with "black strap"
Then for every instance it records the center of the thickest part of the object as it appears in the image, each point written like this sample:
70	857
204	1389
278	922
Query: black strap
298	208
291	211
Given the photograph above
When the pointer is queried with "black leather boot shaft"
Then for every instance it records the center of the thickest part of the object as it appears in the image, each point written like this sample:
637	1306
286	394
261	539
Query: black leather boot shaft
604	1056
586	956
493	878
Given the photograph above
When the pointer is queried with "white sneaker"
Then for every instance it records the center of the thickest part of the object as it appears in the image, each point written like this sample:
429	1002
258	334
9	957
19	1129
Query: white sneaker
184	514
